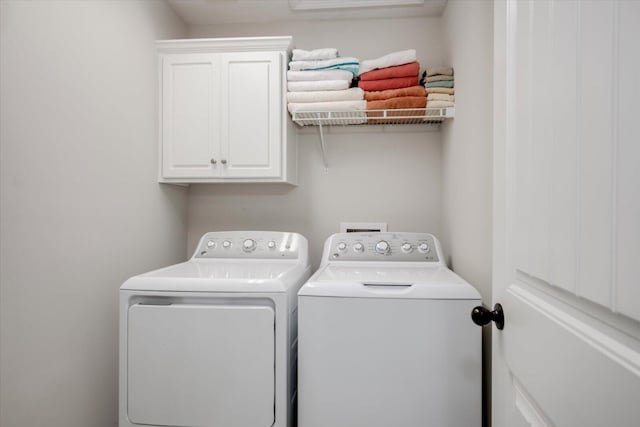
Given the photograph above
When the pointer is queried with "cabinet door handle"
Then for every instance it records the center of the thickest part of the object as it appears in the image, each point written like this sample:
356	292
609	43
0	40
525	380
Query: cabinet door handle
223	161
213	161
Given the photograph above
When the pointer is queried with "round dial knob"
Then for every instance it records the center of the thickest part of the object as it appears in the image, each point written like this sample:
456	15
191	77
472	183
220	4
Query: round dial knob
271	244
249	245
342	246
211	244
423	247
358	247
406	247
382	247
226	244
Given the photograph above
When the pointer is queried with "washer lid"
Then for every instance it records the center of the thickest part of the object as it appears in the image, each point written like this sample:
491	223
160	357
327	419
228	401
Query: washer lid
365	281
205	275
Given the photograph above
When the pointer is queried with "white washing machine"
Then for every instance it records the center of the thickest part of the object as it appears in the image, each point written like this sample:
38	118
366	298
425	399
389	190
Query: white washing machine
386	338
213	341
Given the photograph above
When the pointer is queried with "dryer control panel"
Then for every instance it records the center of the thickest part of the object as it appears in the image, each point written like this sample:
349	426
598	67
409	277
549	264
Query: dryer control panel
249	244
399	247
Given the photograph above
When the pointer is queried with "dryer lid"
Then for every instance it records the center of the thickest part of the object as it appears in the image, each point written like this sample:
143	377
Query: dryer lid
208	275
366	281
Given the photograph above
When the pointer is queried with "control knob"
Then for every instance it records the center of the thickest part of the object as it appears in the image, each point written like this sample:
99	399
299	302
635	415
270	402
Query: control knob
423	247
358	247
226	244
342	246
406	247
271	245
211	244
382	247
248	245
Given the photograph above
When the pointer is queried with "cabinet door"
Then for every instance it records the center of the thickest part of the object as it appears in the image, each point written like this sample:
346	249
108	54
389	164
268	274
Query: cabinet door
190	112
252	114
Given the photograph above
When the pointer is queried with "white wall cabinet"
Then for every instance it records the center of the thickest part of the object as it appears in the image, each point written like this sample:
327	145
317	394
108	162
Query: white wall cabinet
223	111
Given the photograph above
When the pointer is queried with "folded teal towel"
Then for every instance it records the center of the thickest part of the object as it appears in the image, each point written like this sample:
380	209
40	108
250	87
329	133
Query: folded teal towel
344	63
441	83
352	67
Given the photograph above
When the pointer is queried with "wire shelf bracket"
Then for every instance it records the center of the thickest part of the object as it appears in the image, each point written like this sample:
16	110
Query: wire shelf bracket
322	147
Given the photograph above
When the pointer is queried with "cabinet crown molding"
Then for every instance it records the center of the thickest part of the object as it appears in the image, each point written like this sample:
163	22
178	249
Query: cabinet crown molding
231	44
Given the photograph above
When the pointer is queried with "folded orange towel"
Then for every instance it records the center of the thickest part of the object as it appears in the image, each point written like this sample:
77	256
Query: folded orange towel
397	106
407	70
394	93
399	102
395	83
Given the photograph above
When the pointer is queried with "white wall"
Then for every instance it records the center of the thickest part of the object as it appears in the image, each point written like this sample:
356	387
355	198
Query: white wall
388	174
467	142
80	209
467	150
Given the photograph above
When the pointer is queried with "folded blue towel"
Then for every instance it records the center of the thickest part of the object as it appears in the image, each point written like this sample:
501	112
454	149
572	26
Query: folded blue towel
349	66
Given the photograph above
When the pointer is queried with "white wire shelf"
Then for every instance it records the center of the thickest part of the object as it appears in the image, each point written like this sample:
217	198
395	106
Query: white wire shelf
408	116
373	117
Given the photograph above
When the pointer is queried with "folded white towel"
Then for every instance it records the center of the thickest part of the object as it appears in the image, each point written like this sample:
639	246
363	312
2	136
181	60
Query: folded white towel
352	94
314	55
339	106
440	97
439	104
390	60
325	64
318	85
319	75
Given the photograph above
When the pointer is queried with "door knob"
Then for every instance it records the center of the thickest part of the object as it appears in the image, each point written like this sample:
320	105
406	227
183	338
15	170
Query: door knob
481	316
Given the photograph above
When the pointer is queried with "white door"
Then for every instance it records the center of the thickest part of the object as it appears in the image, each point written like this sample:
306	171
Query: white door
567	213
201	365
190	116
252	122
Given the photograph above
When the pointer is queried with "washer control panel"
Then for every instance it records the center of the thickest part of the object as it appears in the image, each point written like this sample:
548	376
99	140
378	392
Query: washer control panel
401	246
249	244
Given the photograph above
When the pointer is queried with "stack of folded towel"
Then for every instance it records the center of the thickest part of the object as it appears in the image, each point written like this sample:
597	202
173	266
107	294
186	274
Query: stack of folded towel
391	82
438	82
319	80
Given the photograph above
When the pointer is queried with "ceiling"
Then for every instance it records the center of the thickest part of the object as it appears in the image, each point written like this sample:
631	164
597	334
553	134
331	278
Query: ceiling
207	12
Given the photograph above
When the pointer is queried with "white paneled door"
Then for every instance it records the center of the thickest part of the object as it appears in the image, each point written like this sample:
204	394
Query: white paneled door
567	213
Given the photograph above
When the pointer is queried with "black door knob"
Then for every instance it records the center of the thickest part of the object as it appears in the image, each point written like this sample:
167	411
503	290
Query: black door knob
482	316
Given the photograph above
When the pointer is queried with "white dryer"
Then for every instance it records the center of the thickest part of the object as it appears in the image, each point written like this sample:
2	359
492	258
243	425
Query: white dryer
212	341
385	337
